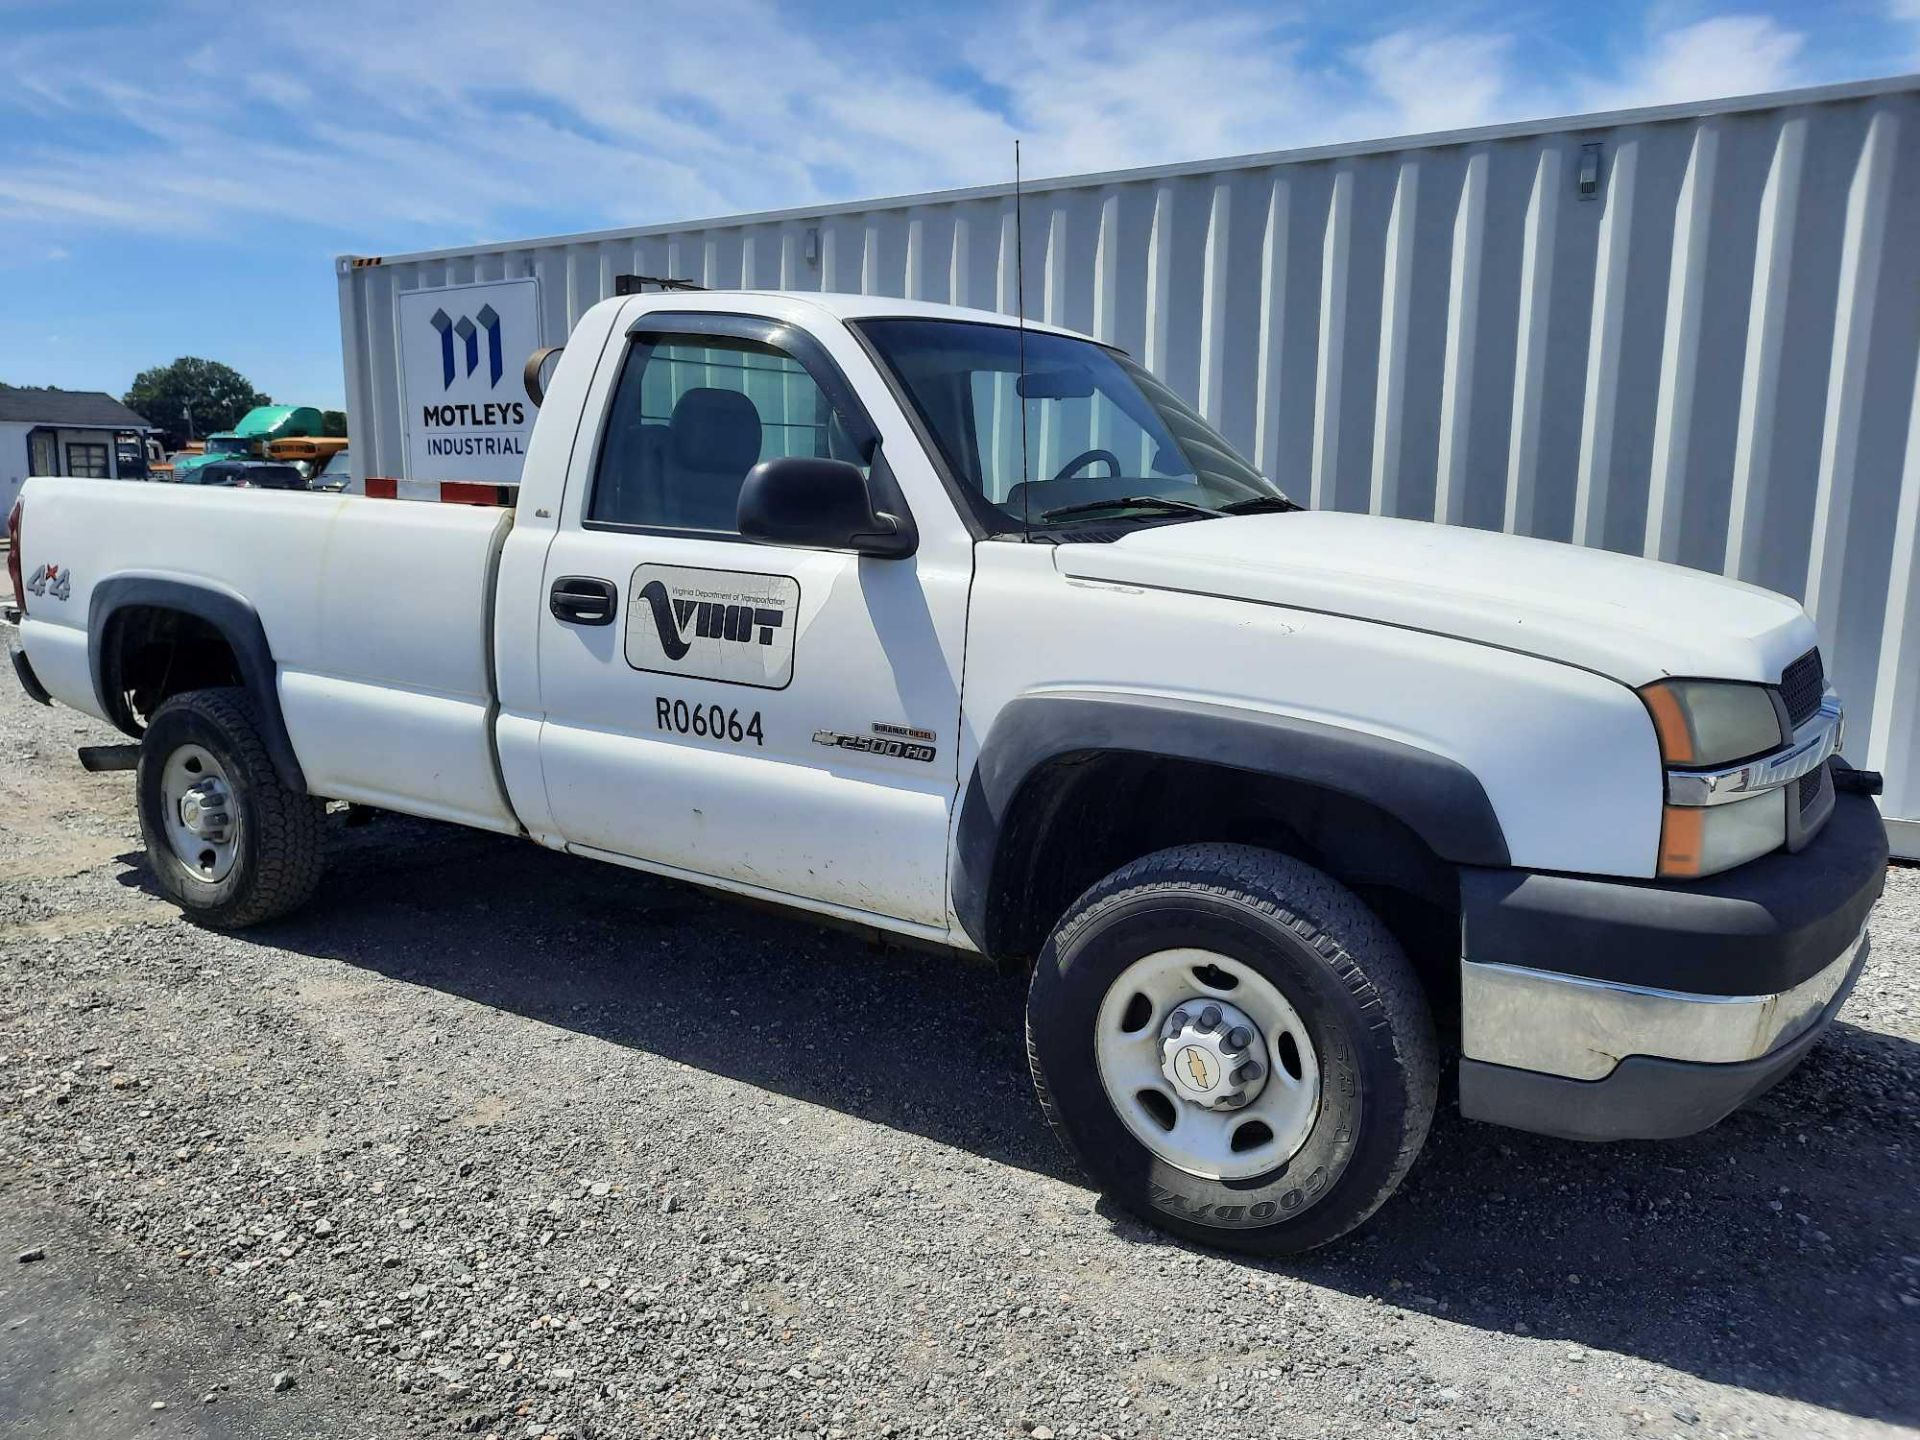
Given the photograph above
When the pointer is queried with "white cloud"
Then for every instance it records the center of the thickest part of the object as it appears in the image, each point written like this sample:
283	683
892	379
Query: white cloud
1907	13
468	121
1727	55
1432	80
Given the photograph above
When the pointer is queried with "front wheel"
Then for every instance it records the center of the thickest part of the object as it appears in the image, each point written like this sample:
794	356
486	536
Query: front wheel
226	841
1234	1046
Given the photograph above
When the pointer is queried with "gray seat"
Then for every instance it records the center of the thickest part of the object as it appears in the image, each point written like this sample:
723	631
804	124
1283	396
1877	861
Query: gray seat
712	441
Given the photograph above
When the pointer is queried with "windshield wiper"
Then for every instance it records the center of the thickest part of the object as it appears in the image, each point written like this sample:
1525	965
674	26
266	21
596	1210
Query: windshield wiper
1262	504
1145	502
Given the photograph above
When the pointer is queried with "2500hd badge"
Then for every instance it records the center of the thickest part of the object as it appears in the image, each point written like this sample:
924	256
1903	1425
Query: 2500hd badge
881	744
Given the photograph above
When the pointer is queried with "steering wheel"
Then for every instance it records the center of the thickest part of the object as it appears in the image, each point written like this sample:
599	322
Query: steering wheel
1086	458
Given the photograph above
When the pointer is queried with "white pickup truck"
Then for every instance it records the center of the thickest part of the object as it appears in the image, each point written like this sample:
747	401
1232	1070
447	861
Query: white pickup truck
905	616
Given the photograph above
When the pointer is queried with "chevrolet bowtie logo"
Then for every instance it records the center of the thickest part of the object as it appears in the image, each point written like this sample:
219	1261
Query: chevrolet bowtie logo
468	334
1195	1060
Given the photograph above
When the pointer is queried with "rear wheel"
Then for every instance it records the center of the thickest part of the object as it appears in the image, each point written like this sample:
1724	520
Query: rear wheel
226	841
1234	1046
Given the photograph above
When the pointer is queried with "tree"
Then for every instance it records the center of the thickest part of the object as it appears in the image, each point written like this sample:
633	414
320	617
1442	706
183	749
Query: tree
192	395
333	422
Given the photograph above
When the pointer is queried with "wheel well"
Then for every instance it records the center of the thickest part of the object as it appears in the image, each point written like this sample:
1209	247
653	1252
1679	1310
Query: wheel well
152	653
1080	817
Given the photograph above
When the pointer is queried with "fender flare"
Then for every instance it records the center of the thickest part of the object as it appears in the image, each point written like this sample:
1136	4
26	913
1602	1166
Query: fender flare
236	620
1436	797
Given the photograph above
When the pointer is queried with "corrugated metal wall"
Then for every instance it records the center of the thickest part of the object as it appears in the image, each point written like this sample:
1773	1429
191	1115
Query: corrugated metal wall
1710	358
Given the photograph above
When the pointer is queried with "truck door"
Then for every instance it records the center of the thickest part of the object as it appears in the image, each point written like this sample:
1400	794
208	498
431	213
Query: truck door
779	720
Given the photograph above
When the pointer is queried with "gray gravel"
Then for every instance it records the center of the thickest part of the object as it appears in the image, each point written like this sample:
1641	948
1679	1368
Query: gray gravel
490	1141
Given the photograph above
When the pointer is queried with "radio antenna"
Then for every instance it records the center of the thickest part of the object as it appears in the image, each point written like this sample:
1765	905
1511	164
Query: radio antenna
1020	385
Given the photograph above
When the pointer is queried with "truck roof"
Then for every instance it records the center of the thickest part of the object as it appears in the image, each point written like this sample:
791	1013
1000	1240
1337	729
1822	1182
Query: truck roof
853	307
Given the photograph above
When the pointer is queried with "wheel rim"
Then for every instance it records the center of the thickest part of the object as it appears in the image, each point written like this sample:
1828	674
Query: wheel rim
198	814
1174	1081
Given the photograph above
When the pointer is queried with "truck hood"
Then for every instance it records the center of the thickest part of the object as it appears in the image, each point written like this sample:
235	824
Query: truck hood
1632	619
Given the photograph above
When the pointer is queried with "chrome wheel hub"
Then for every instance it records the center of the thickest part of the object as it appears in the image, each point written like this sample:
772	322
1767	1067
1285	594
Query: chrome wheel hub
1207	1064
204	810
198	813
1212	1054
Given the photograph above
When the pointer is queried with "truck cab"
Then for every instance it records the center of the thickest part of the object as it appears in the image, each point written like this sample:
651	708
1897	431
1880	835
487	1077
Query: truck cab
976	634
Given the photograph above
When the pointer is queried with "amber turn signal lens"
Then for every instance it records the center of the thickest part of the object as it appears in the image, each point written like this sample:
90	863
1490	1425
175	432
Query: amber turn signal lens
1670	723
1682	836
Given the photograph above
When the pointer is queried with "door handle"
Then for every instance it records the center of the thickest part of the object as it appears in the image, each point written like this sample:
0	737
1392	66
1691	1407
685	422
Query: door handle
582	600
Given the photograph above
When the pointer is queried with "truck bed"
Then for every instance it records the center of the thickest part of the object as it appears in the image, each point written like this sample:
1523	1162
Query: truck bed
377	612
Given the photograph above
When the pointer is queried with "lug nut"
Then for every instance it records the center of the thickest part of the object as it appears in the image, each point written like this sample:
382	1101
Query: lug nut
1239	1038
1178	1022
1246	1074
1210	1017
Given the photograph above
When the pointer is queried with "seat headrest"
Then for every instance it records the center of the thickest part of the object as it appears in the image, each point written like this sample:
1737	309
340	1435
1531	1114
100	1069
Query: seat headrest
715	430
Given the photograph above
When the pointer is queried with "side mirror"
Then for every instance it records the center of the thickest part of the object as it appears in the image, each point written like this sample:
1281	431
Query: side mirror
819	505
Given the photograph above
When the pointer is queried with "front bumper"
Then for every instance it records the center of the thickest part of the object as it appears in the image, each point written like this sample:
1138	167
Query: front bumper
1659	1008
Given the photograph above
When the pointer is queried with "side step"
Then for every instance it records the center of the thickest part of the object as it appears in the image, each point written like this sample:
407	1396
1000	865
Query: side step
109	757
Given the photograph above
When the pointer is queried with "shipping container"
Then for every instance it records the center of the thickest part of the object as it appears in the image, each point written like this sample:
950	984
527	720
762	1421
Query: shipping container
1690	332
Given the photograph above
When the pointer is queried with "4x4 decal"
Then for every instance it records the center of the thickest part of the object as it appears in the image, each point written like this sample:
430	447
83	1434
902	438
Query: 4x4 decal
54	580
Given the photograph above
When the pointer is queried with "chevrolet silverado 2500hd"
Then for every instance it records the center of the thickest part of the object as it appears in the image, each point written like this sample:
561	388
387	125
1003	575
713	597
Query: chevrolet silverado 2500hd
899	614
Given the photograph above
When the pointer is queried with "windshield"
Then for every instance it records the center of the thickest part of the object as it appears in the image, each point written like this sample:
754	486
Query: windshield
228	445
1099	429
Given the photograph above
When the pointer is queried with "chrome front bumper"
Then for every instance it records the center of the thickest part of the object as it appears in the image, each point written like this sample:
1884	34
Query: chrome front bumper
1600	1009
1581	1029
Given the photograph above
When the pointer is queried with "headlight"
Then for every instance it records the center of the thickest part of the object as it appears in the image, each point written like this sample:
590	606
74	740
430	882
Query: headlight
1712	722
1703	724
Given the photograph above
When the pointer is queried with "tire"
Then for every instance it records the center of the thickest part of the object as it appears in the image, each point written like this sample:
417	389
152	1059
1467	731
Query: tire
272	854
1352	994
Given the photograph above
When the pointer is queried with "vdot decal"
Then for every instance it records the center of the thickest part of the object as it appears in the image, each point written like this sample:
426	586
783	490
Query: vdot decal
54	580
710	619
734	626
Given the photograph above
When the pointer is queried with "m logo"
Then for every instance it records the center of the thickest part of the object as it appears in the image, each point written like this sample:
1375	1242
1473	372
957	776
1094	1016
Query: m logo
468	334
729	625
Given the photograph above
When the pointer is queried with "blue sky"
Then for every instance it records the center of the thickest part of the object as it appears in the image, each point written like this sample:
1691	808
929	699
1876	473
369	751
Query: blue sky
176	178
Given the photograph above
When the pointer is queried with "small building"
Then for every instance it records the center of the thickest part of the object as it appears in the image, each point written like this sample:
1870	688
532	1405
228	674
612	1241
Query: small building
67	432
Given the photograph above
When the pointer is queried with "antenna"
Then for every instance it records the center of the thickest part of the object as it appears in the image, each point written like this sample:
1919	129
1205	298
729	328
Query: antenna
1020	384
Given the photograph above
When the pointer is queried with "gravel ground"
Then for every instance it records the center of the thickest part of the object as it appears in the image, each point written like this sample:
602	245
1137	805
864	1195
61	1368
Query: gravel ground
491	1141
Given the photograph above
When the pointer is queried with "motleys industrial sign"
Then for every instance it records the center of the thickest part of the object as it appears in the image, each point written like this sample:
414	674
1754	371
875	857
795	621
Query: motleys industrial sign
461	349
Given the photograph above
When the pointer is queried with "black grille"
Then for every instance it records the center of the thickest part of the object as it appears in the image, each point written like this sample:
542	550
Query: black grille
1810	784
1802	686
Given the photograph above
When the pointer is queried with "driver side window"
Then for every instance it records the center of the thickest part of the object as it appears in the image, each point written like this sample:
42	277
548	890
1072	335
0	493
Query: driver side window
691	416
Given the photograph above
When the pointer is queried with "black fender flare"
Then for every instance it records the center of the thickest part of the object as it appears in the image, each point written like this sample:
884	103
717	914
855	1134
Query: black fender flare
232	616
1436	797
